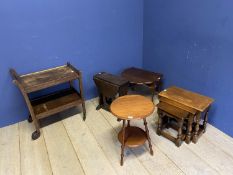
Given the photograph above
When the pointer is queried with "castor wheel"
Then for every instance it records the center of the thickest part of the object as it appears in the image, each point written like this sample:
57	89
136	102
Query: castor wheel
35	135
30	119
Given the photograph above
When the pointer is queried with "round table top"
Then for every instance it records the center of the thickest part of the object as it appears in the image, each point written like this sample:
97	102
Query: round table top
132	107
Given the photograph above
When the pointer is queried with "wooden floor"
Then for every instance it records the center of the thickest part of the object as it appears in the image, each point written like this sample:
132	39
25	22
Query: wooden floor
71	146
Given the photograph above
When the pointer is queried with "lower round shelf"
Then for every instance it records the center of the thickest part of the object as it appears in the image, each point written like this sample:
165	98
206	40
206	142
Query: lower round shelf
134	136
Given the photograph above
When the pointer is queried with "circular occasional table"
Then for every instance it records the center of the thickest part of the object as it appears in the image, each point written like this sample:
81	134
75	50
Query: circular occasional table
130	107
138	76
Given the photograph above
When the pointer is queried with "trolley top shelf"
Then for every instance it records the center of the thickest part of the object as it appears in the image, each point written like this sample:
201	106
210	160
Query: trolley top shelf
43	79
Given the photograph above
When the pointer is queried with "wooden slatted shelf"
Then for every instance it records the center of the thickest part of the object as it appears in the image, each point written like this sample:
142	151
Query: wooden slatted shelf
47	78
55	102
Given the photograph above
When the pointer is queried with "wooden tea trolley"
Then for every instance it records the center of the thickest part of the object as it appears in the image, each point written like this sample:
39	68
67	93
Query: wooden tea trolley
130	107
183	106
52	103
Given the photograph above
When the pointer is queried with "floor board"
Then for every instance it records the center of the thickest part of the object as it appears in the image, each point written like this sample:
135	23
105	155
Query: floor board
33	153
72	146
107	139
220	139
87	148
61	153
159	163
213	155
184	157
9	150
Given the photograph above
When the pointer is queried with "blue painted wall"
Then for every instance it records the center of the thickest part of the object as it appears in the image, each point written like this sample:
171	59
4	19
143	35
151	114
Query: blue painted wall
191	42
103	35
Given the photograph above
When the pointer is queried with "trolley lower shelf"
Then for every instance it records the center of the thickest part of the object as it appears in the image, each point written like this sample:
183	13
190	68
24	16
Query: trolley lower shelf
55	102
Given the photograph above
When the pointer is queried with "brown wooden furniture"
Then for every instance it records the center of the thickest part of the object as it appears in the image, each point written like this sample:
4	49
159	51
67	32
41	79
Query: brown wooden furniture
130	107
138	76
52	103
109	86
170	116
184	105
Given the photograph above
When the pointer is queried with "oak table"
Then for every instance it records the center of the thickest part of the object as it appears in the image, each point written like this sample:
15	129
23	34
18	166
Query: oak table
109	86
138	76
54	102
131	107
194	104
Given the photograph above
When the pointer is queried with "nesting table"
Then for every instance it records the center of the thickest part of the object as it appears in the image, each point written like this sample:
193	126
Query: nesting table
54	102
131	107
183	106
138	76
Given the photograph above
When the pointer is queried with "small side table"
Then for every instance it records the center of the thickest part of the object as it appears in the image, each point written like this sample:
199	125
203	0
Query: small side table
138	76
166	113
130	107
109	86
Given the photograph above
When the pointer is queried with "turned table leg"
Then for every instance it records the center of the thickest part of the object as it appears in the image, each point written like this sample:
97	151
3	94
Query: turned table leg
100	102
160	122
152	90
128	123
196	129
179	135
148	136
189	129
205	119
123	143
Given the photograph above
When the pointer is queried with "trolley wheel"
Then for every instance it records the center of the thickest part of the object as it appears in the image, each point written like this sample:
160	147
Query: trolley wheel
35	135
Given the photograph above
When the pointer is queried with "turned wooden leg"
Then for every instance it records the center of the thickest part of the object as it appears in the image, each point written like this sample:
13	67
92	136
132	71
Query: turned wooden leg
123	143
196	129
84	110
179	135
189	129
100	102
128	121
36	134
160	122
152	90
123	91
71	84
205	119
148	136
158	85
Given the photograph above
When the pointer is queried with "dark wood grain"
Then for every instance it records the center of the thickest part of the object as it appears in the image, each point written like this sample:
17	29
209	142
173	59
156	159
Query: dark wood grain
52	103
47	78
141	76
185	107
55	102
138	76
109	86
187	98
